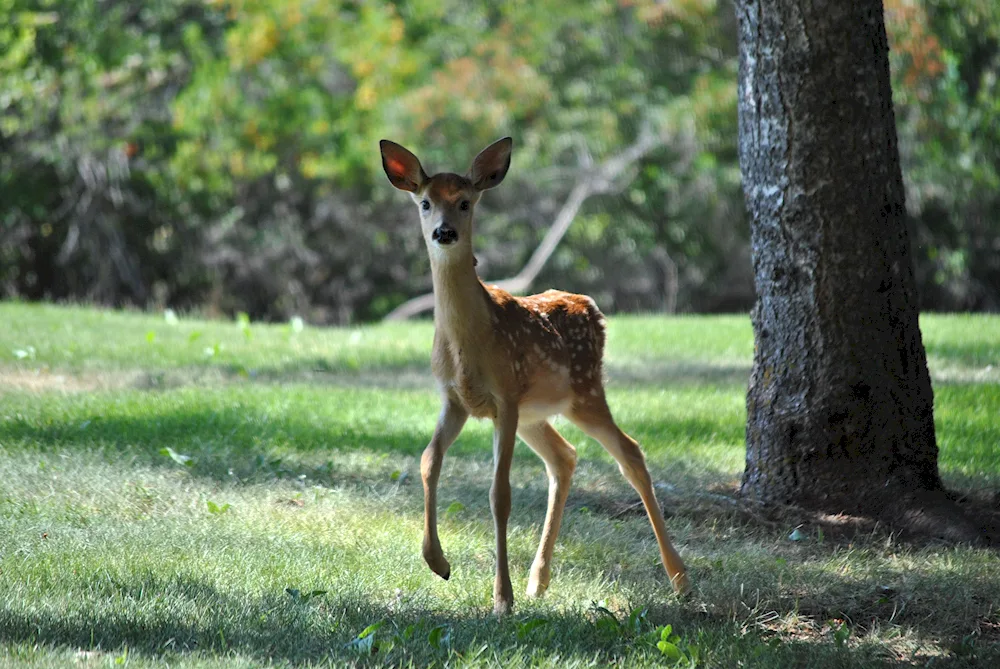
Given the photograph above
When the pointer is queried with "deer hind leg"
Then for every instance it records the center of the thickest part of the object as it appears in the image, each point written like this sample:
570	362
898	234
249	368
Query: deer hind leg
594	418
560	462
450	423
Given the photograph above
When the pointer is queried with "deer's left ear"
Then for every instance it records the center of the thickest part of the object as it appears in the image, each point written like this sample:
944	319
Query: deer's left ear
402	167
491	165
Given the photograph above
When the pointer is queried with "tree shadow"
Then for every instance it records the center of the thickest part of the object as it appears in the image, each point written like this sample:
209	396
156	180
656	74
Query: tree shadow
780	627
974	354
409	374
662	374
415	373
234	439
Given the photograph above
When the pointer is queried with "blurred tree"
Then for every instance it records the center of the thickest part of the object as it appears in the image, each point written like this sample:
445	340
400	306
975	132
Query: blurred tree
88	210
221	154
305	90
840	403
946	62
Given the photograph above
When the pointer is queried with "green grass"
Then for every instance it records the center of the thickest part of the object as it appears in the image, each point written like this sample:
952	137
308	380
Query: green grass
114	554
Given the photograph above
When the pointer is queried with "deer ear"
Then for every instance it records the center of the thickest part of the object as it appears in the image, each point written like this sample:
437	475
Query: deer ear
490	166
402	167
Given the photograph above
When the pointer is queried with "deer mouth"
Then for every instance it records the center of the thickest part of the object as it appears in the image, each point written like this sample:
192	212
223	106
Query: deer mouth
445	235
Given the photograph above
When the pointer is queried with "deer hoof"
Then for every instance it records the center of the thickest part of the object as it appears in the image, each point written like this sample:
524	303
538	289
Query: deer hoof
502	608
536	588
682	586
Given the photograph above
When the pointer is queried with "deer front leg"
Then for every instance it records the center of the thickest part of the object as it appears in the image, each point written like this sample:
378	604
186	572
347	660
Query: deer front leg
504	434
450	423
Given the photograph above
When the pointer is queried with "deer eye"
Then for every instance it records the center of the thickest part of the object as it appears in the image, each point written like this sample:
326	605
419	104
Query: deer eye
425	205
464	206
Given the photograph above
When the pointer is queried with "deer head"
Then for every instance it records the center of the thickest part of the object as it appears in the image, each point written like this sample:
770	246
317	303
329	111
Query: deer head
446	201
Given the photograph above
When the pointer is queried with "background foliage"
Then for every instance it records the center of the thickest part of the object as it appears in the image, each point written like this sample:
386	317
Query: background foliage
222	155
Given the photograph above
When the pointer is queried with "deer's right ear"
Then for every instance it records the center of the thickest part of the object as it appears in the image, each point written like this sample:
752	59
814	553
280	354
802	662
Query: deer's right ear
402	167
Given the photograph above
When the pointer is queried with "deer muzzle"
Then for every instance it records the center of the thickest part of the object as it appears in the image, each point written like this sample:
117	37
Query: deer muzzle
445	234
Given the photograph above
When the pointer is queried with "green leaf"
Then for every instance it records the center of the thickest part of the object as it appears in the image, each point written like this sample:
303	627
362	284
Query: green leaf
669	650
151	336
608	626
364	645
797	535
217	510
364	642
407	633
841	633
179	458
525	628
370	630
453	508
304	598
300	597
440	635
636	619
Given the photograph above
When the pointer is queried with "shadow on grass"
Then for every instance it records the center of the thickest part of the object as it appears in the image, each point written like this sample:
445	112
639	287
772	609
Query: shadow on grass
415	373
667	374
975	354
188	616
237	439
404	374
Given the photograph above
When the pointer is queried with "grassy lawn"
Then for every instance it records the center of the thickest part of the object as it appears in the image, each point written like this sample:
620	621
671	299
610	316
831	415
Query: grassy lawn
192	493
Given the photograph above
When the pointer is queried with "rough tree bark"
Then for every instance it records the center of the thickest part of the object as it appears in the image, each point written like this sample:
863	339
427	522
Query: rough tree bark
840	406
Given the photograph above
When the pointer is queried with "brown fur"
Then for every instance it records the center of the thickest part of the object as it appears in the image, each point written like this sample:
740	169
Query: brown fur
446	187
516	361
552	345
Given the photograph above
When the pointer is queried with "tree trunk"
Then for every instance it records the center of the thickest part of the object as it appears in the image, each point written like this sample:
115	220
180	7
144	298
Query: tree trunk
840	406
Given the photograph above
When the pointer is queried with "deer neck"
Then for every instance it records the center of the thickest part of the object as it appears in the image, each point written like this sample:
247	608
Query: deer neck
460	310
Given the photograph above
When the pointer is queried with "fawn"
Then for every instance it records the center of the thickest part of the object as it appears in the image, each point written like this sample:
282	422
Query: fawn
516	361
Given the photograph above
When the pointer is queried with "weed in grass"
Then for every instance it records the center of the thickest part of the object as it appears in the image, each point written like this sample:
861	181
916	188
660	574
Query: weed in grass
217	509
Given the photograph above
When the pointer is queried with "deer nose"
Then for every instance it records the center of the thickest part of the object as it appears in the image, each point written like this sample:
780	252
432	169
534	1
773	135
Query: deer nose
445	234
